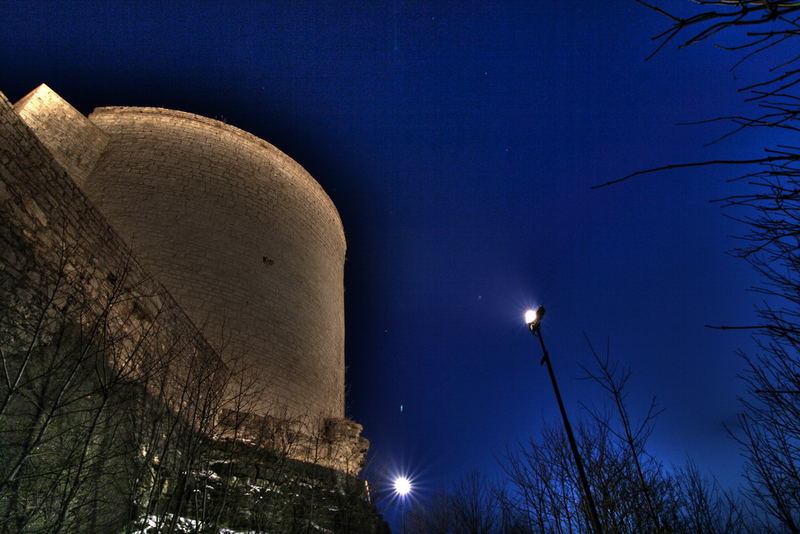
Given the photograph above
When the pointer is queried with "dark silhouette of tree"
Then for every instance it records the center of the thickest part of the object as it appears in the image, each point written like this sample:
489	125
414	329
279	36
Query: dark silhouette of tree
474	505
755	27
769	426
634	491
114	418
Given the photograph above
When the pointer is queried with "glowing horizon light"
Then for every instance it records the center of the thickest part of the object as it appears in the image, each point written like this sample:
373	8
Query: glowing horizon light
530	316
402	486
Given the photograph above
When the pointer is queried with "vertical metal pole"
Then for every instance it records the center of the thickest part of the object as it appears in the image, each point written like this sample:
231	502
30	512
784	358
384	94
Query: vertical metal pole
598	529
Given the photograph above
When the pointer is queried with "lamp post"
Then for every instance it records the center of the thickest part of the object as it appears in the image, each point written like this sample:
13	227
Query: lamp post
402	487
534	320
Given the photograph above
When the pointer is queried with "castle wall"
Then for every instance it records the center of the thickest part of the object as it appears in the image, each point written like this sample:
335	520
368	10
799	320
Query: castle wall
49	228
45	211
243	238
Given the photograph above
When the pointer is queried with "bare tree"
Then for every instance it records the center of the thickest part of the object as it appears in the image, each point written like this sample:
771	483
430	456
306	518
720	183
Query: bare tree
634	492
69	360
472	506
708	509
754	28
633	437
769	427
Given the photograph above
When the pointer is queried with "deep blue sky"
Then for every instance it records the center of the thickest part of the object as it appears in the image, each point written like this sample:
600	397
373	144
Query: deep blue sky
459	141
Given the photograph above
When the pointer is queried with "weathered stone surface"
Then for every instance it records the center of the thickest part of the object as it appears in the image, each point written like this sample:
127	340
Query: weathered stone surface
289	496
72	139
248	244
49	225
243	238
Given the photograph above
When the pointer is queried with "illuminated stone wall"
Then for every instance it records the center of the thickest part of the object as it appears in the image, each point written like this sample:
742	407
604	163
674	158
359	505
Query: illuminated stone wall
79	142
49	228
247	244
243	238
307	482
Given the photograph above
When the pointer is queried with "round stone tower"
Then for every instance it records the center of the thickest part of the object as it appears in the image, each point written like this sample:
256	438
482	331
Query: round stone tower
243	237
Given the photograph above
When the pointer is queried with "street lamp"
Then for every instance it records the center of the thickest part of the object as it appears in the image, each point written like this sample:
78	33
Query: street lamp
534	320
402	487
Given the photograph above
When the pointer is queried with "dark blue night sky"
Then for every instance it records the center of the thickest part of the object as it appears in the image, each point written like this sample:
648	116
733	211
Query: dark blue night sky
460	141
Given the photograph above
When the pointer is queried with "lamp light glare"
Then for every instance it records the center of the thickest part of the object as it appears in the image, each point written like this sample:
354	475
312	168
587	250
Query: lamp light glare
402	486
530	316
